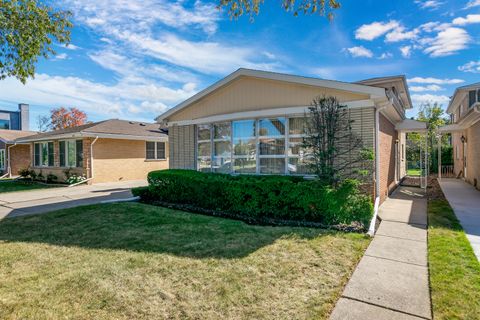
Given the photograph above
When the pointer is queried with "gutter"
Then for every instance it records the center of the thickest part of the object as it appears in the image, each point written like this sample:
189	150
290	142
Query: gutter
371	228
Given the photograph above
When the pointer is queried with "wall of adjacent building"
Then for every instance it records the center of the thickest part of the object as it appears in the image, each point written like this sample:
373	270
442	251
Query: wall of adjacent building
473	155
121	160
19	157
387	137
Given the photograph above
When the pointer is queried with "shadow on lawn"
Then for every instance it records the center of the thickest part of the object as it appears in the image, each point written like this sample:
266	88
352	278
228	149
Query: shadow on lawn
145	228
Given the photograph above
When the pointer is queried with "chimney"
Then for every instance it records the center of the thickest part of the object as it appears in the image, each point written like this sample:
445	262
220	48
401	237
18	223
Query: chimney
23	108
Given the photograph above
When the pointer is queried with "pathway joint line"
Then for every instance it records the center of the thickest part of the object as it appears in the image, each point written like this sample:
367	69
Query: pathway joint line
394	260
400	238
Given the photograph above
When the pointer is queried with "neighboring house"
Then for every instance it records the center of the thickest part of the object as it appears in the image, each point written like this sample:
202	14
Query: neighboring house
14	156
464	110
15	120
251	122
105	151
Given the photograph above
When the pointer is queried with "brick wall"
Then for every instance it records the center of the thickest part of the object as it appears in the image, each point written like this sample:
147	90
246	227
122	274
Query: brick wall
387	137
20	157
120	160
182	147
473	155
457	153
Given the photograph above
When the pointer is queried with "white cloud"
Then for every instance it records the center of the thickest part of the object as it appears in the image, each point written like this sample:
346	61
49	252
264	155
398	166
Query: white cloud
469	19
101	100
472	4
400	34
431	87
447	42
359	51
385	55
406	51
419	99
71	46
60	56
375	29
472	66
430	80
428	4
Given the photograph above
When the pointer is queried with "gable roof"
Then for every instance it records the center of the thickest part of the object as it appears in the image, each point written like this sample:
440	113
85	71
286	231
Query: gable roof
114	128
9	136
374	92
459	94
399	80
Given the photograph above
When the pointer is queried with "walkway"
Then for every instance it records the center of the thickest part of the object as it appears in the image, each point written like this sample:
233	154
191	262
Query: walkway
465	201
391	280
21	203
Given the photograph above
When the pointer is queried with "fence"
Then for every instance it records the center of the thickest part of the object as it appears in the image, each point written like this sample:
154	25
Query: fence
447	171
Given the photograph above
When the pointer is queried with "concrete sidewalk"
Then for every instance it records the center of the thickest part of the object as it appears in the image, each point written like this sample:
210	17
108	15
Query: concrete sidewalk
391	280
13	204
465	201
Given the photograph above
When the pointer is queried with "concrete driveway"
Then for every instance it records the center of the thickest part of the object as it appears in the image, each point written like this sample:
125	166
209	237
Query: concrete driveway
465	201
13	204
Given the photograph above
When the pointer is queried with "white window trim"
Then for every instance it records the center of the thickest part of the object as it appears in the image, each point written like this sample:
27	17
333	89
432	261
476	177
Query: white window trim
66	153
155	151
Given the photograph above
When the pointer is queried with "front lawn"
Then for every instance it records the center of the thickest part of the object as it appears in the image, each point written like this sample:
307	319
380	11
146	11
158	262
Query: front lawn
15	185
454	268
414	172
135	261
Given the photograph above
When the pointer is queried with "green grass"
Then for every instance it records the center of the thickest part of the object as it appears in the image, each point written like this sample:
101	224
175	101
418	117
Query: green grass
135	261
454	268
12	186
413	172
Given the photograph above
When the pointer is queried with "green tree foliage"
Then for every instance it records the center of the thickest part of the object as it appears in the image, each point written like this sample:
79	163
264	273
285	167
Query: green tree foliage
337	153
28	30
237	8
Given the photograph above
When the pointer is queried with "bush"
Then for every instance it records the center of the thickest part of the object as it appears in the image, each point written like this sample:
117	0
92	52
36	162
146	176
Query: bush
51	178
260	197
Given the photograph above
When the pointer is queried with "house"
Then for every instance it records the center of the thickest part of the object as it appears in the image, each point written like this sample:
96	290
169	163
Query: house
15	120
464	110
250	123
105	151
14	156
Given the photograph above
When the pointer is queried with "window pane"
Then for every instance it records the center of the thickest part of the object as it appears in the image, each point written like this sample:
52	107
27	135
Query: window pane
221	131
245	165
36	157
204	149
295	147
2	158
244	147
471	98
51	158
71	154
243	128
221	148
4	124
297	125
150	150
79	146
44	147
221	165
272	146
272	127
204	164
203	132
61	153
298	166
160	150
272	165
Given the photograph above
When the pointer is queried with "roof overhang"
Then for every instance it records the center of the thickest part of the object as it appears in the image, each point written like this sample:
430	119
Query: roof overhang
373	92
472	117
409	125
399	81
459	95
76	135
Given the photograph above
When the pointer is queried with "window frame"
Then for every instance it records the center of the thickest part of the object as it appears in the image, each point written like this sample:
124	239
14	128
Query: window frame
65	153
3	159
9	124
257	138
155	151
41	155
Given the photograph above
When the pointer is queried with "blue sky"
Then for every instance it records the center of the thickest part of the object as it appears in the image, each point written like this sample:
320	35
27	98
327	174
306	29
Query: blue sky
133	59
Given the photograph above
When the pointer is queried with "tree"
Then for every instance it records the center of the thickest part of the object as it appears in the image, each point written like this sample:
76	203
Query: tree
27	31
43	123
62	118
336	151
237	8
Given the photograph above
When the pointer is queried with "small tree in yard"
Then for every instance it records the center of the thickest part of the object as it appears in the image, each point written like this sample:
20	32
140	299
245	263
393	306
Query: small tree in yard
336	151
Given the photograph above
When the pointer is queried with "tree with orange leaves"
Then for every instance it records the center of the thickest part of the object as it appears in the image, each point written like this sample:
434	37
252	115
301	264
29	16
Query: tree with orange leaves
62	118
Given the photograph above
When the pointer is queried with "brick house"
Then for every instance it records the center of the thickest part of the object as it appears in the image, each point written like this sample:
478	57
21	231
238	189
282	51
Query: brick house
14	156
464	110
105	151
249	122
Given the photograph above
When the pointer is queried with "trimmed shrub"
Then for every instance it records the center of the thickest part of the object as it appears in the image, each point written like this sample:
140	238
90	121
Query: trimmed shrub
260	197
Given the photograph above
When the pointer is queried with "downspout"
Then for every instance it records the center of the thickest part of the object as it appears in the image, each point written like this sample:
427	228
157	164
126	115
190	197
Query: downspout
371	229
9	161
91	157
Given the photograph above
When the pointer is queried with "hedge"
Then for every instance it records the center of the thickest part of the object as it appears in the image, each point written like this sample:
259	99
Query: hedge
257	198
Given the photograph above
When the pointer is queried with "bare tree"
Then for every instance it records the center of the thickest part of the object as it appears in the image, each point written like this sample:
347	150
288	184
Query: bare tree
336	151
43	123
